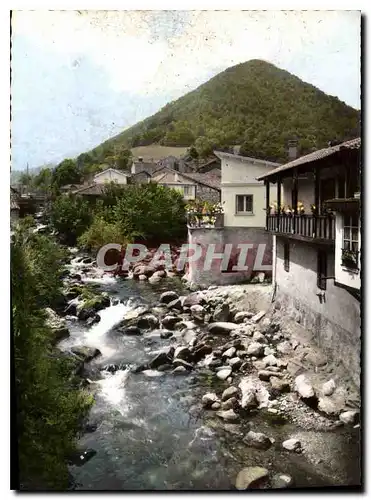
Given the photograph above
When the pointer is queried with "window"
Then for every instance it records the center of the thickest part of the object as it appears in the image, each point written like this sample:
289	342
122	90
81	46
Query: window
187	190
350	250
321	269
286	256
244	204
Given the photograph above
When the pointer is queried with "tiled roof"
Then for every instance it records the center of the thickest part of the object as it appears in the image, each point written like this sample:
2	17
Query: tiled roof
93	189
312	157
210	180
222	154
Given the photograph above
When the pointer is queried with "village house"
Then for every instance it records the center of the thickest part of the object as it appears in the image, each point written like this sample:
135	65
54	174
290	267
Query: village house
191	185
316	227
111	175
143	166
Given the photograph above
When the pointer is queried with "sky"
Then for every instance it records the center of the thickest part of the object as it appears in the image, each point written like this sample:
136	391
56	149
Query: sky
80	77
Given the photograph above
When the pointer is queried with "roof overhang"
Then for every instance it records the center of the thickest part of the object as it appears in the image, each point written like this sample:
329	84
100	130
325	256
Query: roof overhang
245	159
345	205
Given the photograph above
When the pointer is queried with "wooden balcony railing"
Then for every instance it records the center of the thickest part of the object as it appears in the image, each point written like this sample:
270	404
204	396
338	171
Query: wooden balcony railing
205	220
307	226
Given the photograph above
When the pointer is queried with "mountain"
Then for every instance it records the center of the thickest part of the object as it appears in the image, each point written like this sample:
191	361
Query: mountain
254	104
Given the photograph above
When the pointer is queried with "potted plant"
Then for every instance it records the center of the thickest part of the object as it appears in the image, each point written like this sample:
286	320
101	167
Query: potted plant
349	259
313	209
300	208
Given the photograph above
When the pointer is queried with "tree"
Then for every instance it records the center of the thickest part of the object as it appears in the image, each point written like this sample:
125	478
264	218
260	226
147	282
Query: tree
65	173
43	180
70	216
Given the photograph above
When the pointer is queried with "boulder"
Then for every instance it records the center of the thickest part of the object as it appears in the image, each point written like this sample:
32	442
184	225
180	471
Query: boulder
131	330
147	321
168	296
303	387
328	406
257	440
221	328
57	325
169	322
230	393
229	353
71	309
281	481
250	477
93	320
235	363
153	279
181	362
268	351
183	352
328	388
270	360
255	349
230	404
267	374
224	373
175	304
86	353
161	273
228	415
239	317
221	312
209	399
179	370
284	347
248	400
198	312
280	385
201	351
142	277
259	337
85	313
215	406
292	445
257	317
161	359
349	417
193	299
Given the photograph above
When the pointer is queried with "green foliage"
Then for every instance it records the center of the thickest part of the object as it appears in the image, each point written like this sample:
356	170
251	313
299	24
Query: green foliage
49	404
101	232
43	180
70	216
254	104
67	172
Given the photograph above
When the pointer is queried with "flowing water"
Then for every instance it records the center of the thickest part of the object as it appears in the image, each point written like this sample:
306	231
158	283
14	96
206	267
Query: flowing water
151	433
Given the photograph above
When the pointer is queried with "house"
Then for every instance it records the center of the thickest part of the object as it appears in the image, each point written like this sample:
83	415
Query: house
140	178
212	166
243	196
178	164
316	230
91	192
192	186
143	166
111	175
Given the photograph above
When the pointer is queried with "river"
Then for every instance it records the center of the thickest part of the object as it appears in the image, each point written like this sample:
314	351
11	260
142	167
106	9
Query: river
151	433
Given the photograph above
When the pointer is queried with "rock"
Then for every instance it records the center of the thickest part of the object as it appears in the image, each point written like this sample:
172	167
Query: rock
257	440
180	362
281	481
209	398
221	328
268	351
250	477
175	304
139	368
168	296
198	312
153	279
201	351
166	334
71	309
229	353
183	352
270	360
161	359
229	404
303	387
161	273
224	373
284	347
328	388
179	370
258	317
259	337
349	417
255	349
279	384
131	330
266	375
230	393
228	415
147	321
239	317
292	445
221	312
248	400
112	368
328	406
235	363
86	353
316	358
193	299
169	322
142	277
164	368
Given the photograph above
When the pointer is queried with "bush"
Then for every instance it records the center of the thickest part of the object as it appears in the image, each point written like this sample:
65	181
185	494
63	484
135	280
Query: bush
70	216
49	404
100	233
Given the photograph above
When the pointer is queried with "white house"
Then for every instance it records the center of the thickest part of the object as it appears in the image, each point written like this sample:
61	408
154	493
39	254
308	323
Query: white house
111	175
243	196
316	230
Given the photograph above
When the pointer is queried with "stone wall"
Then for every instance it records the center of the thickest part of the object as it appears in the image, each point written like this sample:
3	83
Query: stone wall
220	237
206	193
334	320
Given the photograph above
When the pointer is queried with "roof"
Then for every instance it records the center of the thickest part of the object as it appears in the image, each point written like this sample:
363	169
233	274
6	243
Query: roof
208	179
93	189
247	159
120	172
315	156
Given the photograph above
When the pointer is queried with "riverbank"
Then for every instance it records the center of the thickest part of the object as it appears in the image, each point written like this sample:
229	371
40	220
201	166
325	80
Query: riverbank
215	377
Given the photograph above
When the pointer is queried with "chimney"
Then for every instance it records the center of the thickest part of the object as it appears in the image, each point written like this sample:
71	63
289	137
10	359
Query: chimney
292	149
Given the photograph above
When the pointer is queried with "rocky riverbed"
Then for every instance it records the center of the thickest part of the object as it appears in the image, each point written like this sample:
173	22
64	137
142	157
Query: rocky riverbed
212	389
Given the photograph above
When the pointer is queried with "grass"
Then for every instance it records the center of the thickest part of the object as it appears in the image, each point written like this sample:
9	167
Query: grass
157	152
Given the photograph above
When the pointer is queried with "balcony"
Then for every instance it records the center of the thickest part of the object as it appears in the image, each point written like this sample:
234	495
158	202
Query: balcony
303	227
205	220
